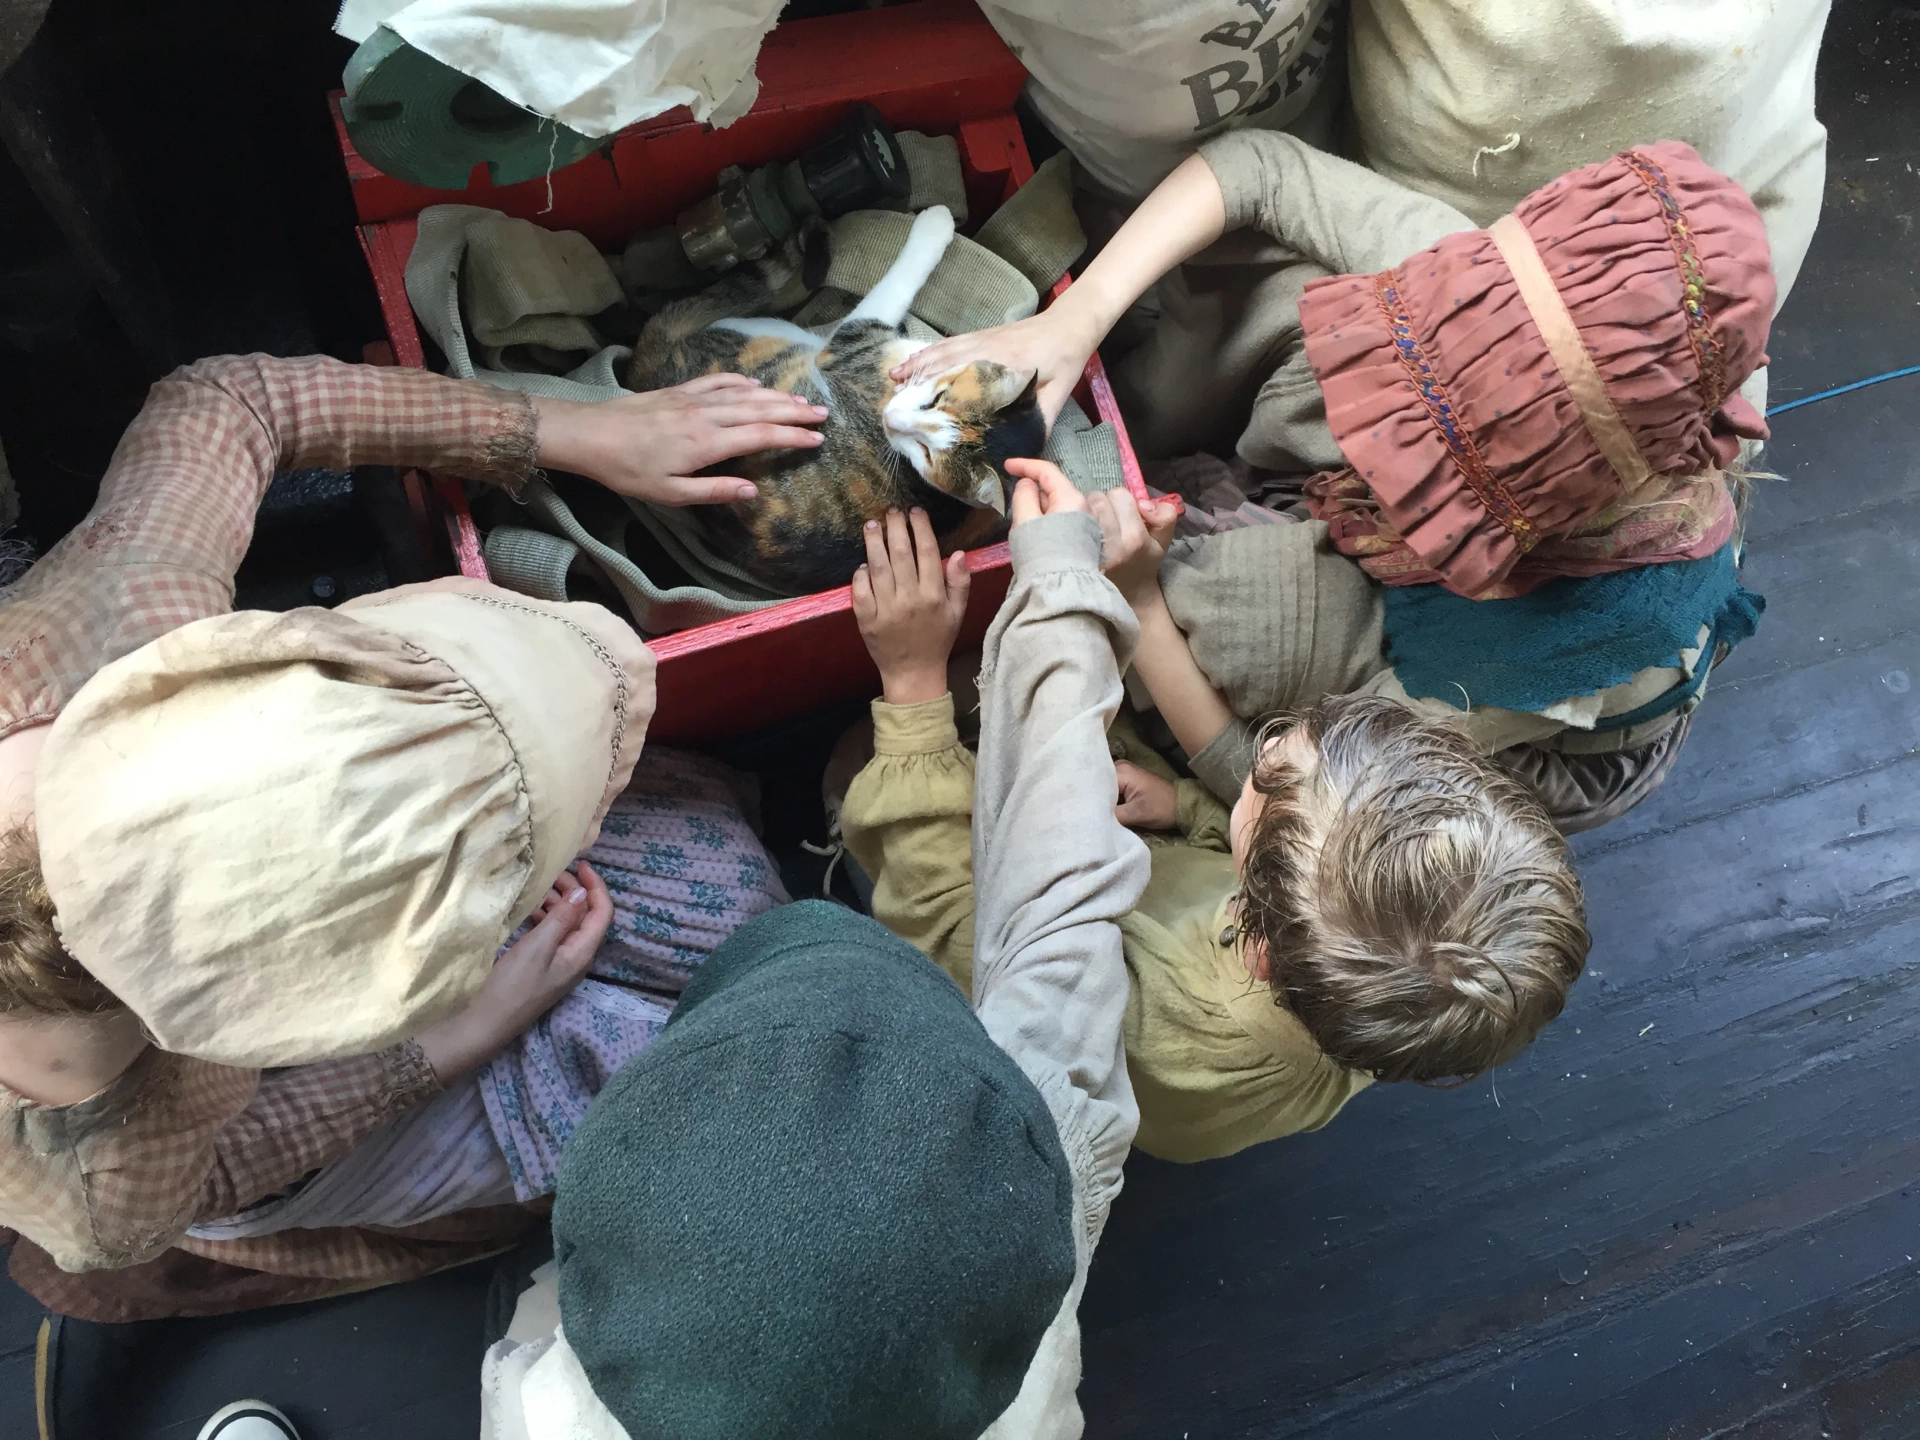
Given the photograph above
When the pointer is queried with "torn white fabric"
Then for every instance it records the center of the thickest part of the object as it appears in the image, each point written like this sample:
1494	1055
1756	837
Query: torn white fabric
532	1386
595	65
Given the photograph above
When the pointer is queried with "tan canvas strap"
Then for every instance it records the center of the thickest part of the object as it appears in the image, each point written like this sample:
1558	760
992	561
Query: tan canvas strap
1569	352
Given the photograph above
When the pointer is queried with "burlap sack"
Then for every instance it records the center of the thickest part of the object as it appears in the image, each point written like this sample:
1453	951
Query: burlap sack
1479	102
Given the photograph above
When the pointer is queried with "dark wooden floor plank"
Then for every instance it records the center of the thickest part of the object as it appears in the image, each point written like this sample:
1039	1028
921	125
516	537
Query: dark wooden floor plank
1765	736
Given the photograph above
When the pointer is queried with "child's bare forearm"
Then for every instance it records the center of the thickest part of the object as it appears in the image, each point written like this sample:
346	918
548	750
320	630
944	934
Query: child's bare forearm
1185	213
1186	699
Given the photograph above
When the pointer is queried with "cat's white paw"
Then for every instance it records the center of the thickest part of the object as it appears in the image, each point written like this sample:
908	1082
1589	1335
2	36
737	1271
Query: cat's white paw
933	225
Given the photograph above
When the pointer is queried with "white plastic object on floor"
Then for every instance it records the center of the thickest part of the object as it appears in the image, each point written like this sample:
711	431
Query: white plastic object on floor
248	1420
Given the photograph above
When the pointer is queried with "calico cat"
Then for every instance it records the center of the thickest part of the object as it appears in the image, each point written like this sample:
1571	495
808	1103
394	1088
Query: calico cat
937	441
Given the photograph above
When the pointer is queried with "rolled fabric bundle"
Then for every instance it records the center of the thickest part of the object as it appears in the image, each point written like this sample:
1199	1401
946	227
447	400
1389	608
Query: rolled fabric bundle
1037	230
933	162
530	561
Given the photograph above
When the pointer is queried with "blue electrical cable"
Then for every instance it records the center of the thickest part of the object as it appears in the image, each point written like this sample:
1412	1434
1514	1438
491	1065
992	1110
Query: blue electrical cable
1841	390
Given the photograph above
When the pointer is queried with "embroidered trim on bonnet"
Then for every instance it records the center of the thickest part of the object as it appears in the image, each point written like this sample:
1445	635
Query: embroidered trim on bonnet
600	651
1693	279
1494	497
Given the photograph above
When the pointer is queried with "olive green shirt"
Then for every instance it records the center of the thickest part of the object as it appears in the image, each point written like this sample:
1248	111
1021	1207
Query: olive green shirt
1217	1064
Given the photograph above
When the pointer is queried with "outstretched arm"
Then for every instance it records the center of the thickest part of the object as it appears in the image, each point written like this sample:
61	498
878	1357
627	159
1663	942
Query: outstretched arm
176	507
1136	542
1054	871
1325	209
1184	214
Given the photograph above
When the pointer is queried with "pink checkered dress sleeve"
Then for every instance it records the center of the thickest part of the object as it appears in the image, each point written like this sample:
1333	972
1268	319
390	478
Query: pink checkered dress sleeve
176	508
307	1116
115	1179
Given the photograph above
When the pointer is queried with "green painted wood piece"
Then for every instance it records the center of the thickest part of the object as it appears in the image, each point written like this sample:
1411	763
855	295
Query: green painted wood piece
421	120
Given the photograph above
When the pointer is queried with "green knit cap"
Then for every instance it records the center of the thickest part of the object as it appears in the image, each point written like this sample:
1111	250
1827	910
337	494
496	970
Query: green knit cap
823	1204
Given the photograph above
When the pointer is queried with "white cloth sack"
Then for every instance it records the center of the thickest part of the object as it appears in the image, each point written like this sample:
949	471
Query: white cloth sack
596	65
1133	86
1479	102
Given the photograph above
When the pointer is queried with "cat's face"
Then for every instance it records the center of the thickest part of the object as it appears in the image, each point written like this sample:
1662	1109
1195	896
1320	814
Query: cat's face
958	428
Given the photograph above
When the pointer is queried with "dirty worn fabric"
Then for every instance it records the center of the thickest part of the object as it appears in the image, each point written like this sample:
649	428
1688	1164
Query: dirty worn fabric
1584	792
1277	619
1216	1064
1447	98
933	165
523	286
1567	638
158	550
435	287
1035	229
1087	452
1225	367
440	752
1131	86
1505	387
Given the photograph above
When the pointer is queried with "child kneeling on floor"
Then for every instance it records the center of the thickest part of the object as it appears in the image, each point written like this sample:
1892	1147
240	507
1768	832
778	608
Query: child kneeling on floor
1382	902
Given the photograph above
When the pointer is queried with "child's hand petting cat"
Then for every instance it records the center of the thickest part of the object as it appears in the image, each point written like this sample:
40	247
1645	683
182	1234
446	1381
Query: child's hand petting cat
1147	801
909	606
536	973
1135	534
1054	345
649	445
1041	489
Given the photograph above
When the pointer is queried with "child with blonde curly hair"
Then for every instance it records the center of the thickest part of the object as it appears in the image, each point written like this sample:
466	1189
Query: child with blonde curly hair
1381	903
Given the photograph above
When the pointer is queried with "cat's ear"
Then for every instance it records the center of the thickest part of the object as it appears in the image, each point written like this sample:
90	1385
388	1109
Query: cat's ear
1004	389
987	488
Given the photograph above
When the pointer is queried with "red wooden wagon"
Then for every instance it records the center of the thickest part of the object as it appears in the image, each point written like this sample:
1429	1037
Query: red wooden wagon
934	66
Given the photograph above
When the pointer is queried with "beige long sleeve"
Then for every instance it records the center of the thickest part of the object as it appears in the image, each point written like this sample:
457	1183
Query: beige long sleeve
1278	619
1302	214
1341	216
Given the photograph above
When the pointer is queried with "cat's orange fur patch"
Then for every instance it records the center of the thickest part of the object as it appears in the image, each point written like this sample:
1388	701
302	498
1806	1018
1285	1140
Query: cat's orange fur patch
759	350
792	374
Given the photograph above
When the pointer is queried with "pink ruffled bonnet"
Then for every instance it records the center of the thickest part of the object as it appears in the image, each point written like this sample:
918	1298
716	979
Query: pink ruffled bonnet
1460	414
